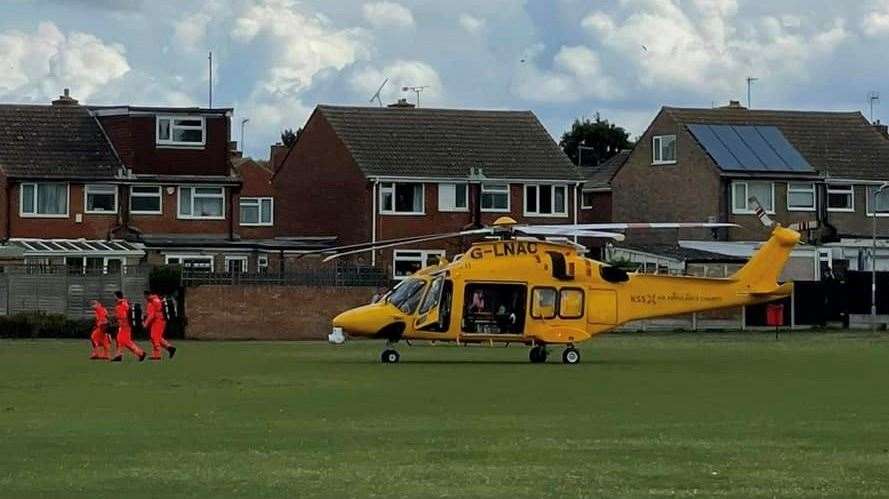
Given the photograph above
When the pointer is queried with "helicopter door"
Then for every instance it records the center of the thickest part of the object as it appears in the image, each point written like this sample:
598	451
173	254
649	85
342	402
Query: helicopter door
434	313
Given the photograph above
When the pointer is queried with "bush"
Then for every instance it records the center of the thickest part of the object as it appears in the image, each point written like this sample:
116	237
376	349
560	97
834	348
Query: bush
43	325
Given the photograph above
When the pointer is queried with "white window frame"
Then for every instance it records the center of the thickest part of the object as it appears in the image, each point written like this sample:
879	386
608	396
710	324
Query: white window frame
237	258
552	194
160	197
657	149
424	257
487	188
843	189
867	196
811	190
173	143
86	193
179	256
36	185
583	205
442	187
258	201
391	187
195	195
262	263
746	184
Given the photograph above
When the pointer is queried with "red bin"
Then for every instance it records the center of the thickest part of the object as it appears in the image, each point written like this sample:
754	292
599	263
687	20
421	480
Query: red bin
775	314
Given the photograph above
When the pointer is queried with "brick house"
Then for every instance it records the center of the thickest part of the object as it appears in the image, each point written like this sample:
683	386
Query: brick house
703	164
137	184
369	174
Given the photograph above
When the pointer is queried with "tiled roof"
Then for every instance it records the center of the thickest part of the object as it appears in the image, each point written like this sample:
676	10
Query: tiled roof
838	144
53	142
599	176
421	142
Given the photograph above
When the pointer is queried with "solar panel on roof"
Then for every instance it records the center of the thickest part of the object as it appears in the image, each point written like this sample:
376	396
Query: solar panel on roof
749	148
794	160
751	136
723	157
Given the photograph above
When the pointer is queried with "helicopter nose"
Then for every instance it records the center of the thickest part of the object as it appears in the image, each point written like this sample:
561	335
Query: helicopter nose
353	322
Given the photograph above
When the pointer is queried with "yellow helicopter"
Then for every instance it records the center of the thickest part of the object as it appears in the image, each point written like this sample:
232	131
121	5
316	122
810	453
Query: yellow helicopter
514	288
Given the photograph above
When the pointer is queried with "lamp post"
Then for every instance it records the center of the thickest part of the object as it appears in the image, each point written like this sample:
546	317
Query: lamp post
873	261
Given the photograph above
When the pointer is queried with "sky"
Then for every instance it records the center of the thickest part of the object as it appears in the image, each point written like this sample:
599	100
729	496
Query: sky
274	60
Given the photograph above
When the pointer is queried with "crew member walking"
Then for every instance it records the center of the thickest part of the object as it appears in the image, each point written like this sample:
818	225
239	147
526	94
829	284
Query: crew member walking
124	337
99	338
156	323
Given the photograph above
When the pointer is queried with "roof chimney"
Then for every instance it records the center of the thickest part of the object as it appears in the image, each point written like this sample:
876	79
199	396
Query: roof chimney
403	104
65	100
882	128
733	104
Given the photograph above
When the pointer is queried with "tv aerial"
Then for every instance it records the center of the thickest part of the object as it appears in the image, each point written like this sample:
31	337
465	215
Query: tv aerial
376	96
417	90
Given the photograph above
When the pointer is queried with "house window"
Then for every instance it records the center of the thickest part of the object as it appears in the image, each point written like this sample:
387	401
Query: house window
181	130
840	198
664	149
452	197
262	264
101	198
236	264
44	200
256	211
882	201
401	198
587	199
202	203
407	262
546	200
764	192
800	196
495	197
191	262
145	200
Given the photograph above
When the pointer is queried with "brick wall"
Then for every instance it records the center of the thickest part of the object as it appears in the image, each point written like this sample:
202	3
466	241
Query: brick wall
268	312
257	183
92	226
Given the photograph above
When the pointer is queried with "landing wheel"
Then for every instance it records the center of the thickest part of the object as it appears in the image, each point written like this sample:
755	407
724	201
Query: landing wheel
571	356
389	356
537	354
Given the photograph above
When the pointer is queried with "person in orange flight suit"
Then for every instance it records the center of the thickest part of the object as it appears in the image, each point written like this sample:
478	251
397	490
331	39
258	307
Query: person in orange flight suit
124	337
100	339
155	323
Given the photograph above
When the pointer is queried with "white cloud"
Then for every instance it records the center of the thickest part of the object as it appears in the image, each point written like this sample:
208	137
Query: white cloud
876	22
576	74
704	45
471	24
36	66
401	74
388	15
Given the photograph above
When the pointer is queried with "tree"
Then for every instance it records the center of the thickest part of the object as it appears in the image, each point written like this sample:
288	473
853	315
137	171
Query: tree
288	137
600	140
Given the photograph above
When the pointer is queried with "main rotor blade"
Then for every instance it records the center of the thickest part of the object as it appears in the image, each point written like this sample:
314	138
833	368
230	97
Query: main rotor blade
570	230
393	243
628	226
368	244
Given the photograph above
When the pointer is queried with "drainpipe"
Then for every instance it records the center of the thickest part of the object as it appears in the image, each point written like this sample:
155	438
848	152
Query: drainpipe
231	214
373	225
8	210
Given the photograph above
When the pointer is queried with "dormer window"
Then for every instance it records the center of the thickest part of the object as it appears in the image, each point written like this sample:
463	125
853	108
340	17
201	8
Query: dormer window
181	131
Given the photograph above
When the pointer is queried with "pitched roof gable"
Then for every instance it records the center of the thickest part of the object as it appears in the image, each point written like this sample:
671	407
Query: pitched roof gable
446	143
54	142
837	144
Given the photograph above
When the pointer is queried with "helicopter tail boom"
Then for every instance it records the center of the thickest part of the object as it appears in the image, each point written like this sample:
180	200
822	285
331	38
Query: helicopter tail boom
760	275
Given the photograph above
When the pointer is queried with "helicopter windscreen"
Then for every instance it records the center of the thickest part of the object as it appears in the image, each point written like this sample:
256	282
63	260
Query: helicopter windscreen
406	296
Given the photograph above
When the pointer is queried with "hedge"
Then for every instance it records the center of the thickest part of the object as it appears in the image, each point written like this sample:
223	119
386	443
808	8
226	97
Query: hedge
43	325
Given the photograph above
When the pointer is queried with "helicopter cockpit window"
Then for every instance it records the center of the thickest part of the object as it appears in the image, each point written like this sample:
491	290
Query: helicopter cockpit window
433	296
494	308
406	296
544	303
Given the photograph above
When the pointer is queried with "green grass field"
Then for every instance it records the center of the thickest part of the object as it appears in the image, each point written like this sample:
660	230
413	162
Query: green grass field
706	415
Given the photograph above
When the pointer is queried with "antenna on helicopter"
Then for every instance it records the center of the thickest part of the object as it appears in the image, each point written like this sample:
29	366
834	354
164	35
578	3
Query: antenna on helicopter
376	96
